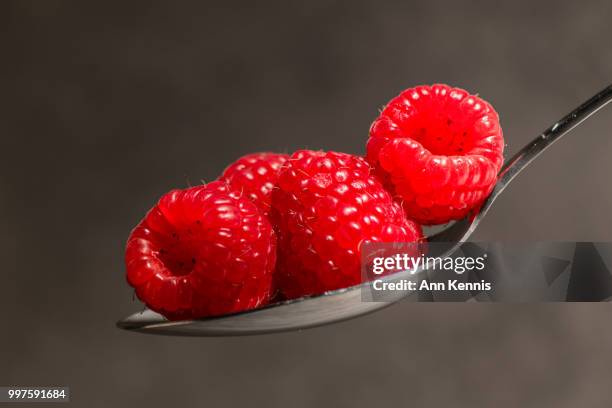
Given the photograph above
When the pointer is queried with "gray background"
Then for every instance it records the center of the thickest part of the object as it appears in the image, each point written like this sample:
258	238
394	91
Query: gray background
106	106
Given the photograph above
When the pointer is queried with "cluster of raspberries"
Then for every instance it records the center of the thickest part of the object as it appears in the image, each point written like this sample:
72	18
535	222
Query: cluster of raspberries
277	226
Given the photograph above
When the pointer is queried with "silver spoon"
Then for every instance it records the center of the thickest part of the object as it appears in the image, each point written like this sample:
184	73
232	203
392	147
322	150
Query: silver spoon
347	303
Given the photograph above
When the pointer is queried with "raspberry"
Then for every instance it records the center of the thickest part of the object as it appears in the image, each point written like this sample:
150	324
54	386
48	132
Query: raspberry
255	175
438	149
325	207
202	251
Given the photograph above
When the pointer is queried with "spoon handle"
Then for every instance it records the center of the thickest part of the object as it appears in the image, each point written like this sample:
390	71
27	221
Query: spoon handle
520	160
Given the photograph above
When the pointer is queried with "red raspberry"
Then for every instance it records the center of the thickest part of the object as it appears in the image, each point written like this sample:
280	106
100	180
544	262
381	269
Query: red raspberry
439	150
200	252
255	175
325	207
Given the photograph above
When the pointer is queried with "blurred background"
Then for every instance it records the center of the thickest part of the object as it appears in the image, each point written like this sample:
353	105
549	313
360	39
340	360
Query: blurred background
107	105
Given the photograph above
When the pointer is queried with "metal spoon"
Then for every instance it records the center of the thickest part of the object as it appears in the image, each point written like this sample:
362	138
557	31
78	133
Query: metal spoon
346	303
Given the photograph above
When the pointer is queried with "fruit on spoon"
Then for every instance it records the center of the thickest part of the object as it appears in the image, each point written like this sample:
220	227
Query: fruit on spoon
202	251
255	175
438	150
326	205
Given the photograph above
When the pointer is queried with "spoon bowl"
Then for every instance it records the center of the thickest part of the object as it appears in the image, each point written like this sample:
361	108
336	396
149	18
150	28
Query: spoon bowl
346	303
